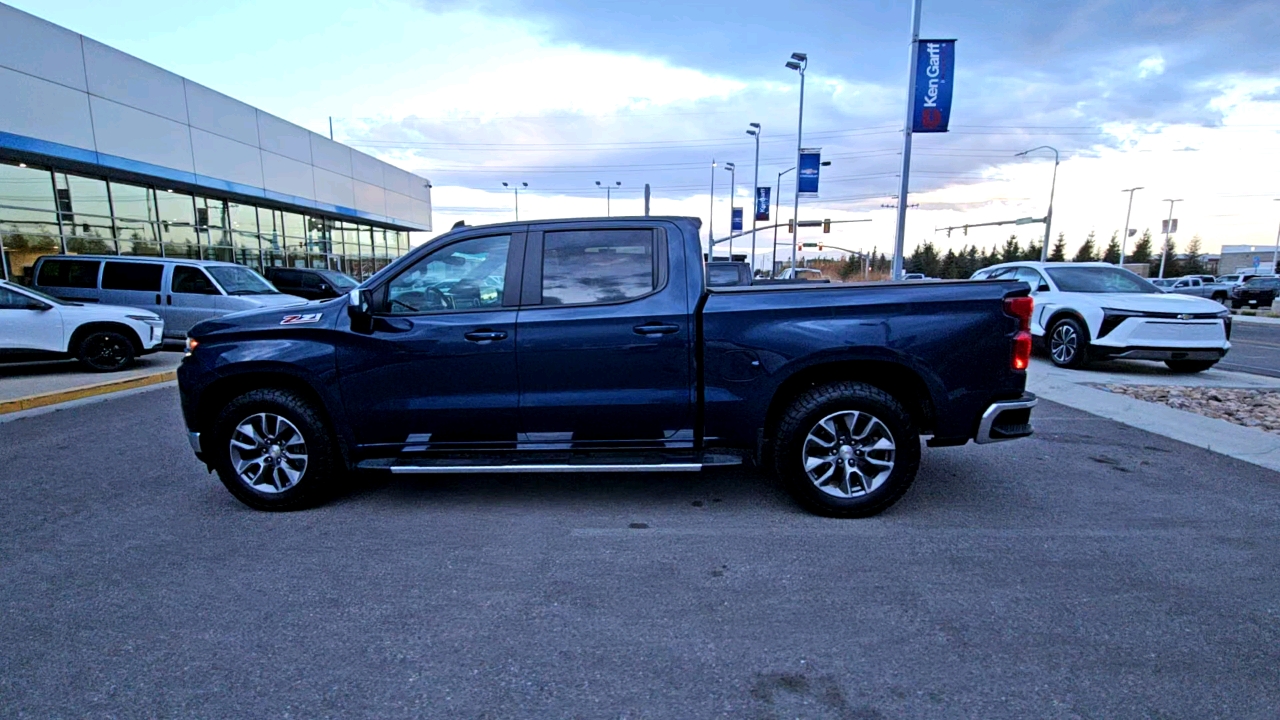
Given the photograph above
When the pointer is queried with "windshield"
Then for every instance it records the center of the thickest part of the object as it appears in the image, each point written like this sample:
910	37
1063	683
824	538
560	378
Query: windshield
1099	280
338	280
241	280
37	293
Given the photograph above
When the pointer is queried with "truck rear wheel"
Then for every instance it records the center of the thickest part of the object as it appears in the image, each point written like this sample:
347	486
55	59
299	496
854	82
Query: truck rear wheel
847	450
273	451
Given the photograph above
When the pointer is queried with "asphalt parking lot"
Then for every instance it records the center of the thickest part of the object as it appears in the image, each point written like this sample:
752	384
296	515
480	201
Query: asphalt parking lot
1094	571
1255	349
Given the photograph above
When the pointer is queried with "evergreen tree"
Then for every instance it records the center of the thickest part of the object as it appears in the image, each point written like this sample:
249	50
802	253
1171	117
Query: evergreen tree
1058	253
1032	252
924	259
972	263
1012	250
993	257
1112	254
1087	252
1170	254
1142	249
851	267
947	268
1192	265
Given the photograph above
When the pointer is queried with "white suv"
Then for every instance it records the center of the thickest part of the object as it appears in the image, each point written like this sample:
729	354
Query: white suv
35	326
1097	311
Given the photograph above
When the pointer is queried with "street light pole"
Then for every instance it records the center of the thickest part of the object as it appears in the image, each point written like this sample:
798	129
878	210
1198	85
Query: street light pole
1164	251
711	217
733	190
1124	239
904	182
608	196
755	188
799	62
1048	216
516	188
1275	254
777	205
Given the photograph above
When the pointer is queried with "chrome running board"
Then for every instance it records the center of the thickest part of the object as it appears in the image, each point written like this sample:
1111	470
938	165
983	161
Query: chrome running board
486	469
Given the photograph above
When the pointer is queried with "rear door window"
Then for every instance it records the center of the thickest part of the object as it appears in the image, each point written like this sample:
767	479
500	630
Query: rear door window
69	273
132	276
583	267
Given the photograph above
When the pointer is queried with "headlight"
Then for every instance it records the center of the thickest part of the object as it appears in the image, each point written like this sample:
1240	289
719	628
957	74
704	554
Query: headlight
151	320
191	346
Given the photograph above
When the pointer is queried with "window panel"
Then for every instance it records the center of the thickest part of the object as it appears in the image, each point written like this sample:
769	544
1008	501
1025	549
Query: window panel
597	266
132	276
177	218
84	207
133	202
467	275
25	187
192	281
69	273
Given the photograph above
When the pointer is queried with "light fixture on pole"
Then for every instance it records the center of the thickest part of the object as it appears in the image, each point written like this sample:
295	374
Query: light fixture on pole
608	199
733	190
754	132
1168	229
1124	239
516	188
798	62
1048	216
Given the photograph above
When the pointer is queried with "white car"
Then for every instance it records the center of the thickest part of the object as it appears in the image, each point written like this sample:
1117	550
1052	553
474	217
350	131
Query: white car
35	326
800	274
1097	311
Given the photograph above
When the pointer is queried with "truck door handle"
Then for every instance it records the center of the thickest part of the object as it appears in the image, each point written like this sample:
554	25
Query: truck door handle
157	298
168	299
485	335
656	329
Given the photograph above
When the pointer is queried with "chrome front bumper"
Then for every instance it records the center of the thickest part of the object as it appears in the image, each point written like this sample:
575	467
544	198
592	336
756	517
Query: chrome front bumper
992	428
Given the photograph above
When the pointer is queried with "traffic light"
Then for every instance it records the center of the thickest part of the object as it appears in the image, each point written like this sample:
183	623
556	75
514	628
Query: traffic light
826	226
966	231
791	226
948	232
799	247
819	247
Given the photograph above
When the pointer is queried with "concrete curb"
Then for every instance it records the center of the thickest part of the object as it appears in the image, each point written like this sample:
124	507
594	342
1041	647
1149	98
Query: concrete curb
1242	443
84	391
1254	320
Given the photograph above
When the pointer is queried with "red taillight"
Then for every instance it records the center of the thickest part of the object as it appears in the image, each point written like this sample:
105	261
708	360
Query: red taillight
1021	307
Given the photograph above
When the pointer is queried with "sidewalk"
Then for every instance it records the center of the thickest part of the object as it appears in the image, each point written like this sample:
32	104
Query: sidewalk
31	385
1076	388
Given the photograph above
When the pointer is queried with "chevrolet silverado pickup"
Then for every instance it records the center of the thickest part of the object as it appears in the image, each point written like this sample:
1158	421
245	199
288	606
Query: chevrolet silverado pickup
594	346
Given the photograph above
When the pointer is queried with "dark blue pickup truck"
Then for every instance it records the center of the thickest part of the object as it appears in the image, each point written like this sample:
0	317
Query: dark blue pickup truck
596	346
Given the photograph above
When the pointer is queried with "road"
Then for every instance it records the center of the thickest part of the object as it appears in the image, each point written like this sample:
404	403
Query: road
1093	571
1254	349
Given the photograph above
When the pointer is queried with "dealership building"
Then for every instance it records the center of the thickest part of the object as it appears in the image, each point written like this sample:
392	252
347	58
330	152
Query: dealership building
103	153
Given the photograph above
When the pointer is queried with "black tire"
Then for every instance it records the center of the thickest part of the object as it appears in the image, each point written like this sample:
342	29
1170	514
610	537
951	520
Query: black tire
1236	304
320	473
1068	344
803	417
105	351
1222	298
1190	366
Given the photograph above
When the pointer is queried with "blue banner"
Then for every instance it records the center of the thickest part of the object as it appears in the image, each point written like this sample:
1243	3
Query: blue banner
735	224
762	202
935	71
807	172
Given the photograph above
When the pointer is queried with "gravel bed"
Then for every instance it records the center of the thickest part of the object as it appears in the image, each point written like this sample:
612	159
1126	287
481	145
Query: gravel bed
1242	406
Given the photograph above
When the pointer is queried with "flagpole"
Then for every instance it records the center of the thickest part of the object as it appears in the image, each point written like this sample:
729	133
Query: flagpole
899	237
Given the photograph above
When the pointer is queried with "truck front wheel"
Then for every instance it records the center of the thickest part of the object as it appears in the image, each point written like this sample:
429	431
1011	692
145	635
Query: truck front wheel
846	449
273	451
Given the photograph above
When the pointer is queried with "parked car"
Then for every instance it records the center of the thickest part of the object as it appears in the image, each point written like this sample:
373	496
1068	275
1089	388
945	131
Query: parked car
1258	292
915	276
182	292
1097	311
603	349
310	283
1195	285
1163	283
1202	278
728	274
800	274
1236	279
36	326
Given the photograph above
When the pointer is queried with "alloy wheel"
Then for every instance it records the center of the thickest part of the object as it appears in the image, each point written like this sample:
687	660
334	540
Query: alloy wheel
849	453
1064	344
106	351
268	453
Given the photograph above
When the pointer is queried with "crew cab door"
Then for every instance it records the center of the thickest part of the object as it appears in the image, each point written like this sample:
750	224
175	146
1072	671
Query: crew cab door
437	367
605	338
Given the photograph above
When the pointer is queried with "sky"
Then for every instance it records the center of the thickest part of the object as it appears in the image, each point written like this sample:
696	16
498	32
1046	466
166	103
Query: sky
1179	97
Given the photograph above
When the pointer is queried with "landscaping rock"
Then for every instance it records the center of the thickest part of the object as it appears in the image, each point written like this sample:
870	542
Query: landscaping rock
1243	406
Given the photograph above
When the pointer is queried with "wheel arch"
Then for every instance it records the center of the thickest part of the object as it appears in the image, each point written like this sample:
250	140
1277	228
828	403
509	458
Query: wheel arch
82	331
897	379
1073	314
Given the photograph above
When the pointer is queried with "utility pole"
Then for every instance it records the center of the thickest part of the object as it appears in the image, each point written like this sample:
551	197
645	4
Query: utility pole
733	190
711	217
900	236
516	188
330	127
799	62
1124	239
755	188
646	199
608	196
1275	254
1164	251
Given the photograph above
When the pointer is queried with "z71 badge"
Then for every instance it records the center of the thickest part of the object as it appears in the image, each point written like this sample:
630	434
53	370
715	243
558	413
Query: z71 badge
300	319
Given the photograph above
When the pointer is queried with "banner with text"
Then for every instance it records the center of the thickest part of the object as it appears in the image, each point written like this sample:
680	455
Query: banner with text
735	222
935	71
762	203
807	172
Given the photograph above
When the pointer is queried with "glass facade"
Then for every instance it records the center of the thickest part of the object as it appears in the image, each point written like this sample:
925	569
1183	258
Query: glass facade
46	211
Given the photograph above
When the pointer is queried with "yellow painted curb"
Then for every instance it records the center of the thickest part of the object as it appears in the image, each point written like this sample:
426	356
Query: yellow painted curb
52	398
